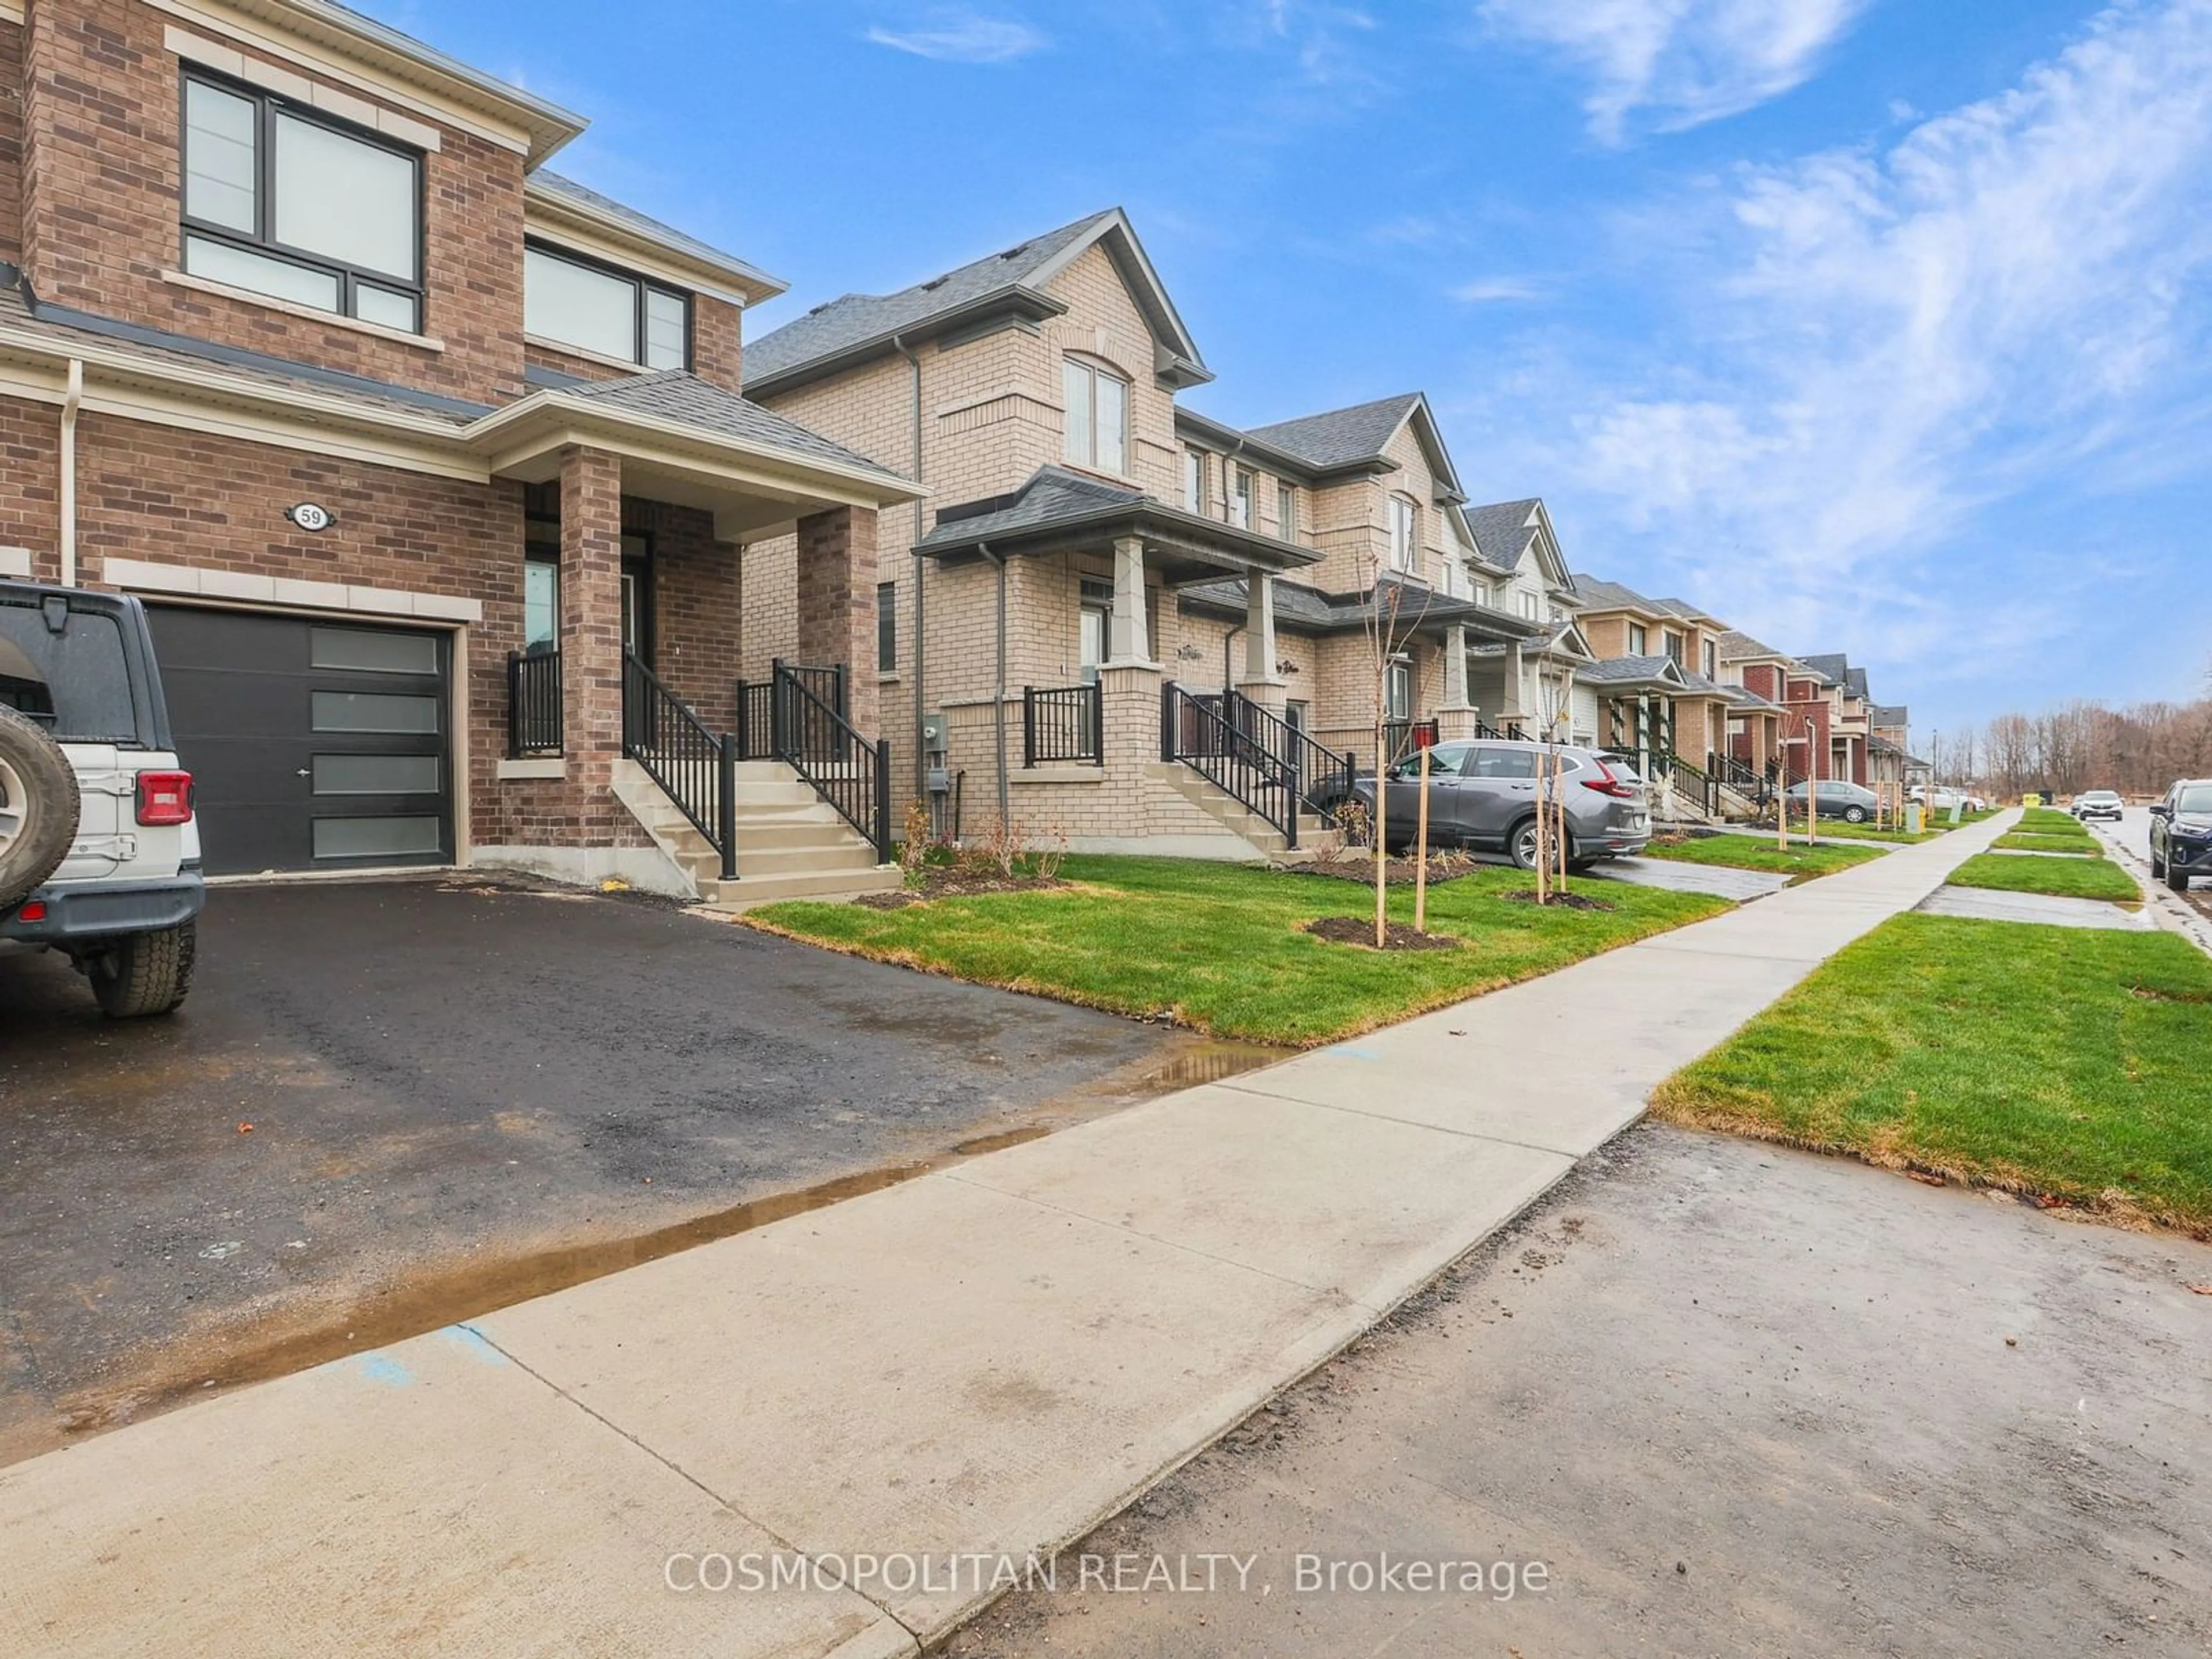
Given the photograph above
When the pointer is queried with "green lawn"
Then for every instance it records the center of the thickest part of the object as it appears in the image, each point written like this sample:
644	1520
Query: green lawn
2088	878
2020	841
1837	830
1218	945
2060	1061
1801	862
2049	821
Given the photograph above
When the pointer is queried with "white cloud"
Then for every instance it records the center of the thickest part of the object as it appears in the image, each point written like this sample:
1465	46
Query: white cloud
1873	357
1488	290
1686	61
963	37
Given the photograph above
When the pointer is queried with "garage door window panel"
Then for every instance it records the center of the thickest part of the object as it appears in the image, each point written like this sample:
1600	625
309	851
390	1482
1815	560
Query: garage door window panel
377	774
413	836
378	713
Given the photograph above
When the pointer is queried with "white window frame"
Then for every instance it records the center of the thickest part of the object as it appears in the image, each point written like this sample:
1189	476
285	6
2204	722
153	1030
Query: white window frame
1287	510
1639	639
1405	526
1193	480
1089	455
1237	497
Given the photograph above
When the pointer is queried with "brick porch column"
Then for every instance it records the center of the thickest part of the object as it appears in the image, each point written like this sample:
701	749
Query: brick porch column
591	621
837	603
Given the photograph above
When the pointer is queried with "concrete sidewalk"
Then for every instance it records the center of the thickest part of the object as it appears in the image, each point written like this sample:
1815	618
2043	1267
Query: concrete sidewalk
968	1363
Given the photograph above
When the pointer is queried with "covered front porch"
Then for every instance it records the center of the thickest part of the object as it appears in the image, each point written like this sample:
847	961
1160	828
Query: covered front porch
619	690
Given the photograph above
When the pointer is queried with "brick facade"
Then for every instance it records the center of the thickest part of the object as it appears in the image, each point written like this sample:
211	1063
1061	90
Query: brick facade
102	199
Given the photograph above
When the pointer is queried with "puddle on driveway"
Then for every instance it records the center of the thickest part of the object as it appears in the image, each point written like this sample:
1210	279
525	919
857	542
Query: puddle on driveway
301	1336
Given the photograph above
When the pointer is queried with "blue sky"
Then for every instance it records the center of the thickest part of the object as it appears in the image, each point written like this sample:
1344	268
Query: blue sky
1873	325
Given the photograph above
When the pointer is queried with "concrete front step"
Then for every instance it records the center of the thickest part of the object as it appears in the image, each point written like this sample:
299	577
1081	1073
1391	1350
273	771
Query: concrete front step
1219	804
828	884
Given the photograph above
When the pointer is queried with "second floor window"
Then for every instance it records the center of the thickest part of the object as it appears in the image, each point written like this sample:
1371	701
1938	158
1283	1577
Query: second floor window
1404	539
1639	642
609	313
1193	480
1097	435
1674	645
1532	606
291	204
1287	512
1712	661
1240	497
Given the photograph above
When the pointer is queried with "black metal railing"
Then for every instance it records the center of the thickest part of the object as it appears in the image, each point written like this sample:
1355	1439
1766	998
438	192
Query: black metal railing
758	736
1064	724
1256	756
807	731
695	769
533	704
1745	779
1511	730
1690	783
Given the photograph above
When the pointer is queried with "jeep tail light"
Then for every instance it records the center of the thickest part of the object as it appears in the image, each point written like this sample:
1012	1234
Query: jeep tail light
1609	782
165	798
35	911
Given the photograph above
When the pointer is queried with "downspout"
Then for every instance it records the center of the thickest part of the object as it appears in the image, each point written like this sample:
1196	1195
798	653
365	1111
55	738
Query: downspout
72	403
1228	679
921	613
998	702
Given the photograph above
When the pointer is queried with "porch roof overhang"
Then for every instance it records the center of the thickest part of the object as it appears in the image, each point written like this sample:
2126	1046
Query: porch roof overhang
1303	609
680	439
1060	511
1619	675
754	470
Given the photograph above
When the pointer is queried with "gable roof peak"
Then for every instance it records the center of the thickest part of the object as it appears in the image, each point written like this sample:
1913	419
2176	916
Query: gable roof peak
1009	284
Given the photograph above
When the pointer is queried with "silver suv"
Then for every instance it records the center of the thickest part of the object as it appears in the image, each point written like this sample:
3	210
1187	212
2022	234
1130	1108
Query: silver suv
1483	794
100	854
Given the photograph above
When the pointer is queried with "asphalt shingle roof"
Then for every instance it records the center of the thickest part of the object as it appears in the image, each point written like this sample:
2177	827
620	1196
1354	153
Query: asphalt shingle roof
1832	666
1735	644
1051	495
1341	437
854	320
1627	668
1889	713
1595	594
1503	530
674	394
555	184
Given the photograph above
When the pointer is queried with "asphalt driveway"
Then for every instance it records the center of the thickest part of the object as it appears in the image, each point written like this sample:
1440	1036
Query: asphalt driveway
388	1105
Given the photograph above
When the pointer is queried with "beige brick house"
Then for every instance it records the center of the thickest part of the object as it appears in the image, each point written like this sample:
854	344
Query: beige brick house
1116	621
431	465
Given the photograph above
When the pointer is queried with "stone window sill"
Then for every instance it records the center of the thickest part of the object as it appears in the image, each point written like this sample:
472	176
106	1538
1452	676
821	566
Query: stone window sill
1056	774
538	766
307	313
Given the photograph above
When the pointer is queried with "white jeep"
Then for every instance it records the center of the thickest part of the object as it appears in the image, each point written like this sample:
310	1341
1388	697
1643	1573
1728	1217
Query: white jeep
99	856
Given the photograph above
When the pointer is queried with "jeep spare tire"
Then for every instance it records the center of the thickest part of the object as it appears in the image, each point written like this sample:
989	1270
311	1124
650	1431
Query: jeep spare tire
38	806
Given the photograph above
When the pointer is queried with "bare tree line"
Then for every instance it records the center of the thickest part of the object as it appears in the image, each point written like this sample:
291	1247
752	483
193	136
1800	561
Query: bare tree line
2138	749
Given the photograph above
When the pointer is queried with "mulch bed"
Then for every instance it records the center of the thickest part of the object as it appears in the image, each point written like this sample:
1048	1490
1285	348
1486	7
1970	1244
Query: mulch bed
1356	930
937	882
1564	901
1360	867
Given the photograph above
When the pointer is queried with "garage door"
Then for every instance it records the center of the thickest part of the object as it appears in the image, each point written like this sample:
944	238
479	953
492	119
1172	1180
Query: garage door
314	745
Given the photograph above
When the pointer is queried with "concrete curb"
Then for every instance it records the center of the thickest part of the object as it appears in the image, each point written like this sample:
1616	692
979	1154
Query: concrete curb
2165	907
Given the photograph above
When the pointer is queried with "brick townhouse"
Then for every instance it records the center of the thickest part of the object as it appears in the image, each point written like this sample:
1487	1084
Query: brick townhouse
431	465
1107	598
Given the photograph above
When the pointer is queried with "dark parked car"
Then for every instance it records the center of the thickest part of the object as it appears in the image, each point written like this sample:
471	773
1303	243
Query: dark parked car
1854	802
2181	834
1483	795
2098	804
